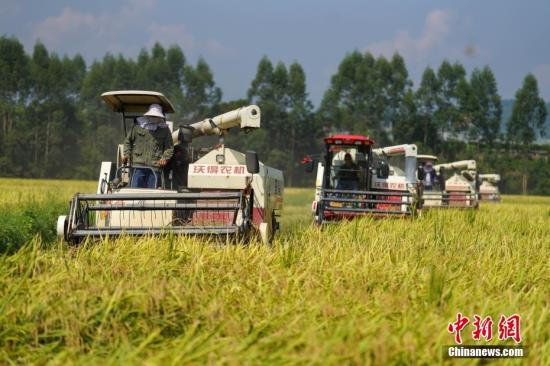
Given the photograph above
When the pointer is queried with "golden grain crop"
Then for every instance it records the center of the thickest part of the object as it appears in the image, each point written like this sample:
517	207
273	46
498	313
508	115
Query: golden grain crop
360	292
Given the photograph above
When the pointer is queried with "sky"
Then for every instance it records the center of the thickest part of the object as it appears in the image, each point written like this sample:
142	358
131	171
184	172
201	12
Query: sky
512	37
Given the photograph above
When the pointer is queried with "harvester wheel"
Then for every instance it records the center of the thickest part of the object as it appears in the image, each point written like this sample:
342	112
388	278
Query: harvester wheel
274	227
62	225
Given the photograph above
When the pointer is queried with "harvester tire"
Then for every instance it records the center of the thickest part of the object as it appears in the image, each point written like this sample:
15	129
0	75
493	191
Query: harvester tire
62	225
274	228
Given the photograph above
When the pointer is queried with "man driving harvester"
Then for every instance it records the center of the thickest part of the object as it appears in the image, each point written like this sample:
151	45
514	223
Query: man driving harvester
348	178
148	147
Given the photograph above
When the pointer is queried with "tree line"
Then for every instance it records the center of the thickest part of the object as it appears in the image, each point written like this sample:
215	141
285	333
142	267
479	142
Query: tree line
54	125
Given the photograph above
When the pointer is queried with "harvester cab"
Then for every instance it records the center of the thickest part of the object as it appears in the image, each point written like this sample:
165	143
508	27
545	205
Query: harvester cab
225	192
488	190
354	179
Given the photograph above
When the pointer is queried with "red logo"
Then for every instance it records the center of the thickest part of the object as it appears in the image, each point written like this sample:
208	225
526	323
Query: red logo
212	169
508	327
198	168
457	327
482	328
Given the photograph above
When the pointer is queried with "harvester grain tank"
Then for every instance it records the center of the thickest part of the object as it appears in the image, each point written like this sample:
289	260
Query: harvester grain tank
224	192
488	190
384	180
462	188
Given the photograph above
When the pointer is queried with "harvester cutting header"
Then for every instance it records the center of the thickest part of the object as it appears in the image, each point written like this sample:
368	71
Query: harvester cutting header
223	193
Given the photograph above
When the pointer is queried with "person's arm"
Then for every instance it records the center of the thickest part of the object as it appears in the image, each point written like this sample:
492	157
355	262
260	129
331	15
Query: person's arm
128	145
168	149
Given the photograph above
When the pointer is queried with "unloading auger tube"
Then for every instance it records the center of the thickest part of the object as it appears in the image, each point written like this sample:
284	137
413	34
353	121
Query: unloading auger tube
468	168
462	164
245	117
491	178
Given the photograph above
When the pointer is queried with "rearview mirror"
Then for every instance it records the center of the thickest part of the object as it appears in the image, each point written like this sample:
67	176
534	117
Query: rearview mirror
383	170
309	166
252	162
185	134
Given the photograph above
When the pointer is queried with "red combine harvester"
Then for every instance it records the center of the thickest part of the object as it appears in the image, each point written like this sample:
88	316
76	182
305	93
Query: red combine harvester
354	179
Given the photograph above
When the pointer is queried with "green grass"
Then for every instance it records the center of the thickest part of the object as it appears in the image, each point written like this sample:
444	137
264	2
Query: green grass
29	208
360	292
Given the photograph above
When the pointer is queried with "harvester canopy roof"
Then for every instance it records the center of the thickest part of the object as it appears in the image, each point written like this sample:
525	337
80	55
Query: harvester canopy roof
426	158
350	140
136	101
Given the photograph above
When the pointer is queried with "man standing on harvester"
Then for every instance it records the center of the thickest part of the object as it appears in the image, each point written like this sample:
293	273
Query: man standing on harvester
148	147
430	177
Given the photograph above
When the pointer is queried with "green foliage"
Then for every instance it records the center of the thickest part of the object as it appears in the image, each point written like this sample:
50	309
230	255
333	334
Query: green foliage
349	103
484	106
54	124
427	99
367	96
14	89
29	208
406	128
287	118
453	94
528	114
201	95
14	68
19	226
52	104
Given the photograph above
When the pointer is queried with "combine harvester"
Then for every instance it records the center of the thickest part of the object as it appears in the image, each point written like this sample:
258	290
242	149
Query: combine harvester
488	191
459	191
223	193
386	183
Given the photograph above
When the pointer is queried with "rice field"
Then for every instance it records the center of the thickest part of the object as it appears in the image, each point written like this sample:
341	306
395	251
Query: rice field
360	292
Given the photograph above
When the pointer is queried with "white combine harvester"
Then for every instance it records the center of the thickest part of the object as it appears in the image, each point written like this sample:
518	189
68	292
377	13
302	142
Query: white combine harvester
488	191
386	183
458	191
224	193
